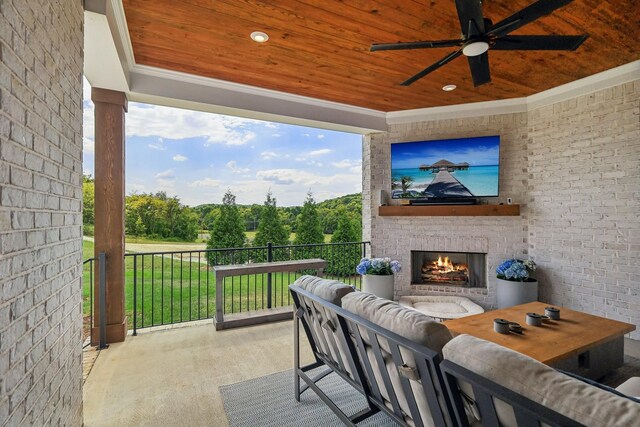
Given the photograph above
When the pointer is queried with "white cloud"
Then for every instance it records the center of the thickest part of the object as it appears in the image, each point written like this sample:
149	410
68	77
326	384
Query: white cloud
206	182
230	137
291	176
158	145
321	136
348	164
175	123
276	135
268	155
136	188
168	174
320	152
180	158
277	176
271	125
165	181
289	186
86	88
233	166
88	118
88	145
306	134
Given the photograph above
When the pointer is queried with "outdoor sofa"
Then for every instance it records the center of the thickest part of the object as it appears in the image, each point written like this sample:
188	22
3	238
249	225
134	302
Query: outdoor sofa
393	356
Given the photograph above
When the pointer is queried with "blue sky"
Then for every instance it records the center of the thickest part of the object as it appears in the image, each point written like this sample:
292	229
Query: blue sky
198	156
475	151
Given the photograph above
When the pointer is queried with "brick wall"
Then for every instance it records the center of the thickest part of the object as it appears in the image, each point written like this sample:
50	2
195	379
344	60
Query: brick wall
584	199
499	237
41	55
573	166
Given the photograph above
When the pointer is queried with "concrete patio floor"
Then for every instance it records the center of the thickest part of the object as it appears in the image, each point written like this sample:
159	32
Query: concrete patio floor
171	377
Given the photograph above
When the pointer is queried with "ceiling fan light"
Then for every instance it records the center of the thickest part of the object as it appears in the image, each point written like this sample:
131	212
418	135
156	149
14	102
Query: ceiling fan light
475	48
259	36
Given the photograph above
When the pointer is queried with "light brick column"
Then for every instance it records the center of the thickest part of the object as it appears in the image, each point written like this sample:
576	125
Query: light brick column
110	109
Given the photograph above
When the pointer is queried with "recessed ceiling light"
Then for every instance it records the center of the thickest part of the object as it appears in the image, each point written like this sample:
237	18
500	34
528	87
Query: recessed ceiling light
259	36
448	88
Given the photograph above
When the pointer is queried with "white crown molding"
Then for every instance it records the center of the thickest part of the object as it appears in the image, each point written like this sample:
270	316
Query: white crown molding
613	77
144	70
187	91
608	78
487	108
115	14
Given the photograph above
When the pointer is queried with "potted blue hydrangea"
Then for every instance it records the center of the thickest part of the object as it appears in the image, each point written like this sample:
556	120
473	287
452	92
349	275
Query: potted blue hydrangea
377	275
515	283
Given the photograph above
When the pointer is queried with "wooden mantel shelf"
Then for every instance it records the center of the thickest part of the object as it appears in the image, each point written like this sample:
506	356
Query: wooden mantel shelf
450	210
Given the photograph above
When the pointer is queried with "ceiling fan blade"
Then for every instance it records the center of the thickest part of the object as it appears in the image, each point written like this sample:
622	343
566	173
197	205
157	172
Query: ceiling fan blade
443	61
526	16
539	42
479	66
470	11
415	45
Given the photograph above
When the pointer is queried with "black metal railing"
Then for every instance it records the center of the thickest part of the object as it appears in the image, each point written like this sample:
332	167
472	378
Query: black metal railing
88	274
179	286
88	266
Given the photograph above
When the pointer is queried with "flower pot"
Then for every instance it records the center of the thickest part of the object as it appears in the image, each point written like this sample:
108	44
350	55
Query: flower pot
381	286
514	293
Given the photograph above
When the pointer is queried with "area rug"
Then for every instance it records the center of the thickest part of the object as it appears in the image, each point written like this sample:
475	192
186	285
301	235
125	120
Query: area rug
269	401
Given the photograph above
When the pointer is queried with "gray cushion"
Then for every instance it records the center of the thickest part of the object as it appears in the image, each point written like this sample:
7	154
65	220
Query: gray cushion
332	291
408	323
616	391
630	387
329	290
579	401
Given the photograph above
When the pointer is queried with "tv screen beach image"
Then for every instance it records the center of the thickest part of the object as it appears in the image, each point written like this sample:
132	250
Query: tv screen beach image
464	167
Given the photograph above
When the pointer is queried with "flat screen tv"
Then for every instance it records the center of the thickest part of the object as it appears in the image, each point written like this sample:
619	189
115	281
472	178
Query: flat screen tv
446	169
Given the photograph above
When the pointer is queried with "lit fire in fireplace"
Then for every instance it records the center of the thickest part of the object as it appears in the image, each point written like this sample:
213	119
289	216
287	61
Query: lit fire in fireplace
444	270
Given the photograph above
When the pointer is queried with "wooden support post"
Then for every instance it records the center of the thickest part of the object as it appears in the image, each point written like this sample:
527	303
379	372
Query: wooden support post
110	109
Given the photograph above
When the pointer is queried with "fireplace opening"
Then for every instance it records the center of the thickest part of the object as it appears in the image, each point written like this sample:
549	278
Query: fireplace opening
464	269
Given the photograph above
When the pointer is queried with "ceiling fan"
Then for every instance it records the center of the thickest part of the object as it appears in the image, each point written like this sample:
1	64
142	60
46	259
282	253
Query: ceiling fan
479	35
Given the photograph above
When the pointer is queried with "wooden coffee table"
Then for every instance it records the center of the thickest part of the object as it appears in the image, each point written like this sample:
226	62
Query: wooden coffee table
588	345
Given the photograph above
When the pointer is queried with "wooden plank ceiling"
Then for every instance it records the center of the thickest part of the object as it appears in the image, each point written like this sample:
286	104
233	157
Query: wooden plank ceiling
320	48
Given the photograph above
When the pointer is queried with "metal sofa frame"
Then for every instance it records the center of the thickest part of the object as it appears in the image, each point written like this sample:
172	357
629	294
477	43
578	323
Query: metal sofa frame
527	412
346	338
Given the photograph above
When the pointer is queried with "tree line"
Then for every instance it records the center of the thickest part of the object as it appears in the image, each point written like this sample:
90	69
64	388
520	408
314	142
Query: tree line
228	231
158	216
328	210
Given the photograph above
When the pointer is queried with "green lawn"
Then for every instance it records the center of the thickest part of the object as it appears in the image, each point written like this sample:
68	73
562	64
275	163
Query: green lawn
137	239
171	290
